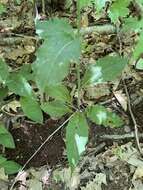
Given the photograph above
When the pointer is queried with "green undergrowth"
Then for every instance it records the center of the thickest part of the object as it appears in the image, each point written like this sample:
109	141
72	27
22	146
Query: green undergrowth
61	50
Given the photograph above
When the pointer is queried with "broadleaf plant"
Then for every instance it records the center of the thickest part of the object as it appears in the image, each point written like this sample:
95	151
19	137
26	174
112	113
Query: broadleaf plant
76	138
100	72
41	87
119	8
53	58
6	140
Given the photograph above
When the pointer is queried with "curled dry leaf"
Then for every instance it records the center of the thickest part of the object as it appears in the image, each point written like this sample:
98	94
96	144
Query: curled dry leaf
122	99
22	178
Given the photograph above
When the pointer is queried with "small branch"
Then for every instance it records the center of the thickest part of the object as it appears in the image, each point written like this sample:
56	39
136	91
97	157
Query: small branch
78	63
43	7
14	39
133	119
101	29
120	137
97	149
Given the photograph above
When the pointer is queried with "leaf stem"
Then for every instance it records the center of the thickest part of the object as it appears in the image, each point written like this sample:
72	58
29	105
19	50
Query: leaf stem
43	7
78	64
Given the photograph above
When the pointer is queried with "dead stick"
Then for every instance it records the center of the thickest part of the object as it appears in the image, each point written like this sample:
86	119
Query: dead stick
101	29
120	137
133	119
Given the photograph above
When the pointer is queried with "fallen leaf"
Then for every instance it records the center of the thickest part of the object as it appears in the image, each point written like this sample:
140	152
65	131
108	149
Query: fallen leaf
122	99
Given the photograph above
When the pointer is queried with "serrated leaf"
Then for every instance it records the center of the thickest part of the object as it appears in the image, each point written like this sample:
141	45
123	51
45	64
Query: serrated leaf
6	138
19	85
106	69
54	56
4	72
59	92
102	116
76	138
10	167
46	29
100	4
132	24
32	109
55	109
119	8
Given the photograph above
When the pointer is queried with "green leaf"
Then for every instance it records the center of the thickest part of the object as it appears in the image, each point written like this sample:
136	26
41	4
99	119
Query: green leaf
19	85
102	116
85	3
10	167
55	108
55	54
76	138
2	159
140	1
118	9
106	69
59	92
139	47
139	64
100	4
2	8
25	71
7	141
4	72
32	109
132	24
3	93
6	138
18	2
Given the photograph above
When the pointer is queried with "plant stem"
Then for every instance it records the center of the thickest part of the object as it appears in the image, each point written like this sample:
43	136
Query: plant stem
43	7
78	17
78	64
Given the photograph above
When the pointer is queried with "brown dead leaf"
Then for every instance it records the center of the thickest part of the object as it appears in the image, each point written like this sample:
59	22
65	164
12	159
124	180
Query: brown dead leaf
13	105
122	99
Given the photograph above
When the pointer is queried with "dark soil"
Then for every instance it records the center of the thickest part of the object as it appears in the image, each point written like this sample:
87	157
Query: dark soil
28	137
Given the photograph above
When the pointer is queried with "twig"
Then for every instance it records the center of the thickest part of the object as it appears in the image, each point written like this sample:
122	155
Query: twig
133	119
120	137
40	147
15	40
101	29
97	149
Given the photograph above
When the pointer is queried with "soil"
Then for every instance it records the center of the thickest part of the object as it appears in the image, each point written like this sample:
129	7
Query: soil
28	137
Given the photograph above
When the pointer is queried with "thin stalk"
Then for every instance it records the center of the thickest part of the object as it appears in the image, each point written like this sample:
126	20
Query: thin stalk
78	64
43	7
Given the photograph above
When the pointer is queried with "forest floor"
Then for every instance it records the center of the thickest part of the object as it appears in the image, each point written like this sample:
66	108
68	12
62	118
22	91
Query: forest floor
112	160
